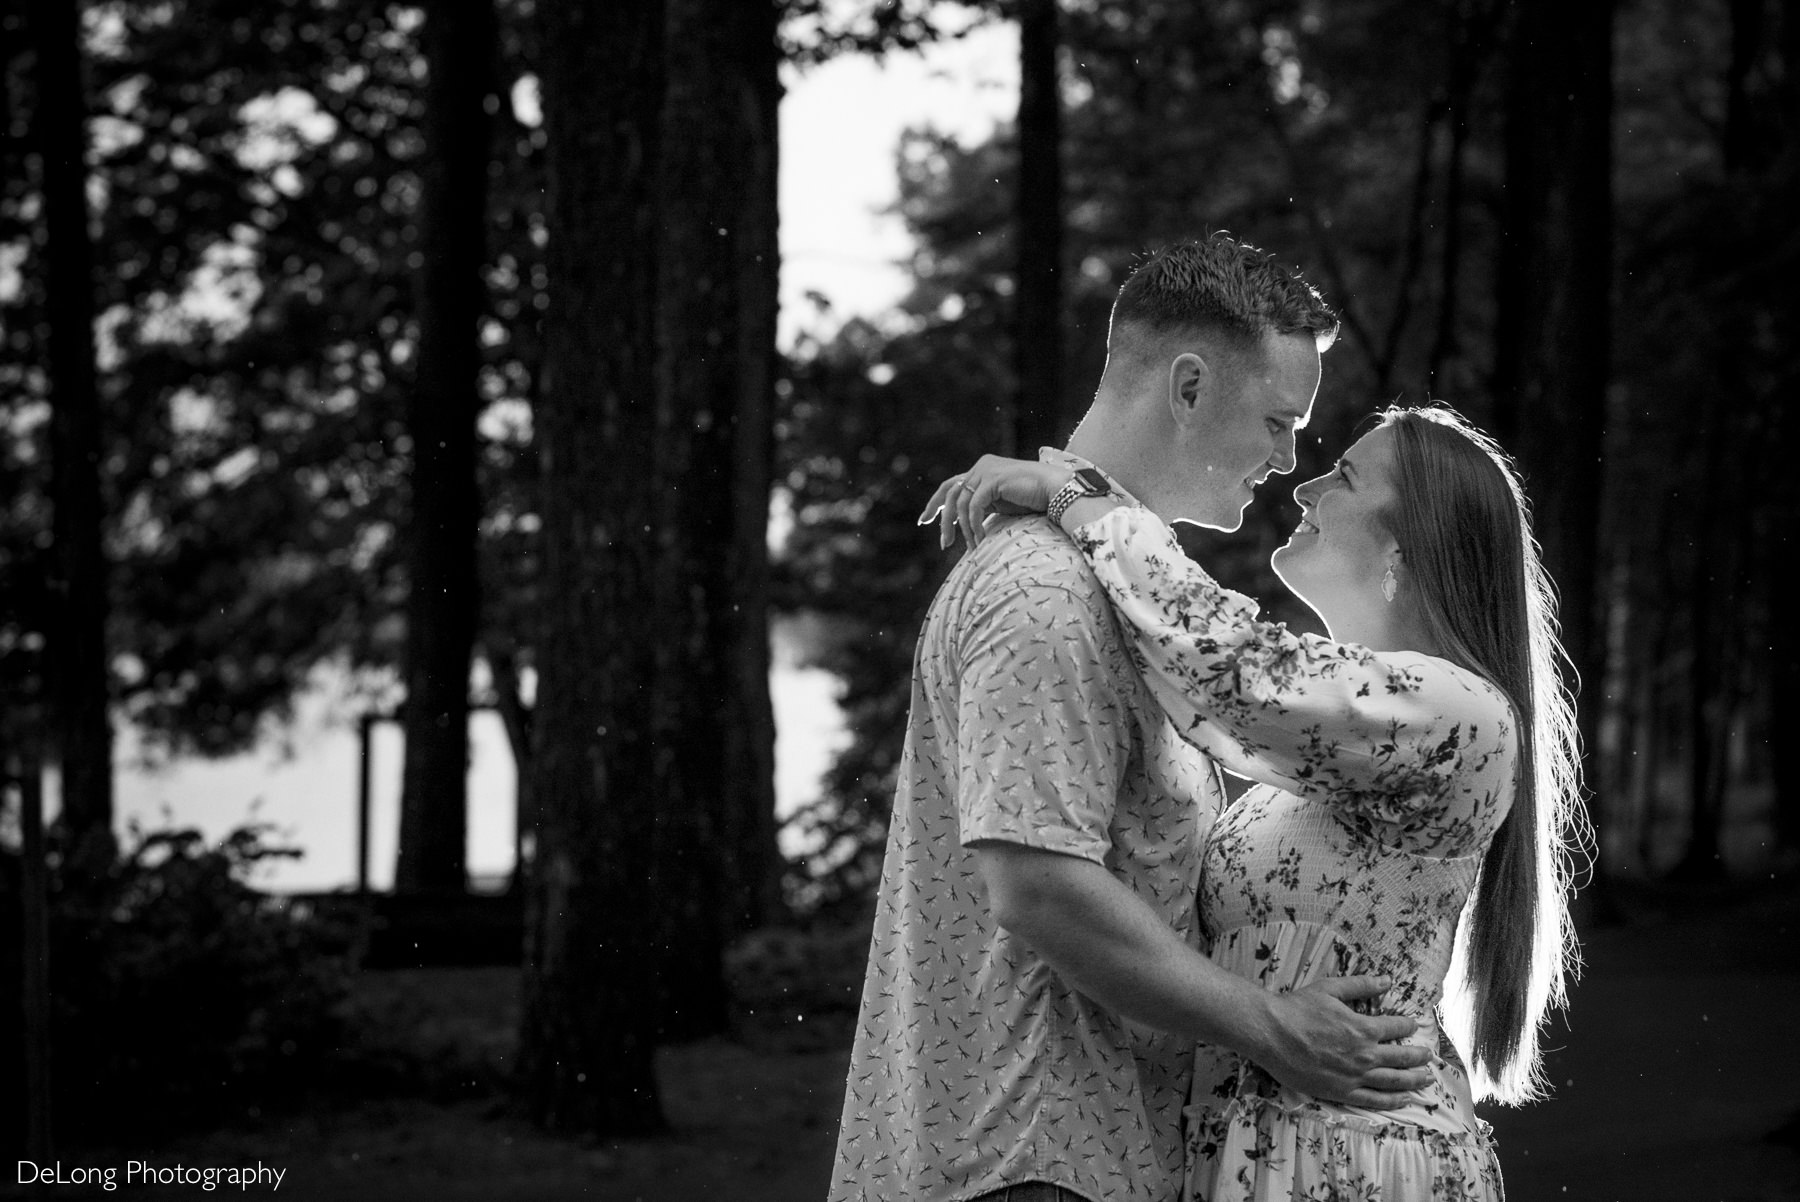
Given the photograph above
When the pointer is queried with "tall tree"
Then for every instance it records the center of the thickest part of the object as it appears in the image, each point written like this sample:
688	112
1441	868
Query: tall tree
1552	339
251	337
717	854
1037	308
754	869
1737	518
77	661
1785	644
441	530
591	958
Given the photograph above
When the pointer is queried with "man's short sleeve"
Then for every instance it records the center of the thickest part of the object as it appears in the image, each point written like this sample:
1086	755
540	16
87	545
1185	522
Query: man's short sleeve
1042	722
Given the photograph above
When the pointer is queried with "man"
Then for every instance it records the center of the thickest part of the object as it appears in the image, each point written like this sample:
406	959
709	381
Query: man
1034	990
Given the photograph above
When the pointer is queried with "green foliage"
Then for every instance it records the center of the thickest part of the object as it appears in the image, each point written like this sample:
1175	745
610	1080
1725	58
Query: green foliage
816	30
255	178
1364	141
778	973
179	992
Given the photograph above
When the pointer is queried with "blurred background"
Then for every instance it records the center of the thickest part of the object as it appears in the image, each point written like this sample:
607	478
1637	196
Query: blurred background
457	572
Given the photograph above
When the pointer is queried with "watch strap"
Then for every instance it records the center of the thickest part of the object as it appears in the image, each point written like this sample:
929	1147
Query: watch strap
1086	482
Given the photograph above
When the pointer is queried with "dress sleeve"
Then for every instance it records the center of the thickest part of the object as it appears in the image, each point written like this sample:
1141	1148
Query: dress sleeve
1415	751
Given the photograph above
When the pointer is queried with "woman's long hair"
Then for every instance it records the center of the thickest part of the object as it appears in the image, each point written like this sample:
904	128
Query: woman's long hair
1474	574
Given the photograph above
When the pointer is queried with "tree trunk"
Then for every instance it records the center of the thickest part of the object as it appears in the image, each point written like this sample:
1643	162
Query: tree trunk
1783	713
1785	442
1038	419
76	662
697	322
1447	370
443	593
1552	337
1709	712
753	895
592	923
1744	144
716	855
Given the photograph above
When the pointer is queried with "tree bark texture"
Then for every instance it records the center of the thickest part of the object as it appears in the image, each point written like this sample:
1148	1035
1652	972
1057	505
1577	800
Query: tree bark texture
1724	516
753	896
443	594
1554	279
1038	419
1785	442
1709	673
591	949
716	857
76	643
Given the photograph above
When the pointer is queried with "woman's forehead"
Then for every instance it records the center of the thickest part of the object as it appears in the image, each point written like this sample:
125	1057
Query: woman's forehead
1373	452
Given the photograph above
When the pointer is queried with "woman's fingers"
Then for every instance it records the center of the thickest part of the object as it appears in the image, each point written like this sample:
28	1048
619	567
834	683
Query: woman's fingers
982	498
966	517
935	506
964	502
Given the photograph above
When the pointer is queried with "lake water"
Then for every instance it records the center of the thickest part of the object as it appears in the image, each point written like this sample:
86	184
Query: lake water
305	781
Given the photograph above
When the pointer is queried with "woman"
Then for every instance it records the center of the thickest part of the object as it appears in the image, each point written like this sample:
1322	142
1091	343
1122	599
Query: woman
1416	777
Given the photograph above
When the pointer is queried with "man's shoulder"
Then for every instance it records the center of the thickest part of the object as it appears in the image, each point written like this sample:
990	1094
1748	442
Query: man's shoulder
1026	576
1030	553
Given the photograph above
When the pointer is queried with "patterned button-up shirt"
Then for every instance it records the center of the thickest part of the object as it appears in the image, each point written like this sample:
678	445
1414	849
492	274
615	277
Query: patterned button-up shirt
976	1065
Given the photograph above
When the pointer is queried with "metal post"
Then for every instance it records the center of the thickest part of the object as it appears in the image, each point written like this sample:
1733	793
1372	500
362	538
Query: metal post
364	776
35	910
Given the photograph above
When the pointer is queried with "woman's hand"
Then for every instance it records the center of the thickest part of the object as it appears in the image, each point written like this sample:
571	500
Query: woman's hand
994	485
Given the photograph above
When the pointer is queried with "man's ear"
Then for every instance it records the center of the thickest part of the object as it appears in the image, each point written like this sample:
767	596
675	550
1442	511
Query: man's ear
1191	383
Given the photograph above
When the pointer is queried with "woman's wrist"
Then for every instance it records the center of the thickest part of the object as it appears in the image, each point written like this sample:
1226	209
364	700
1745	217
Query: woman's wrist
1088	509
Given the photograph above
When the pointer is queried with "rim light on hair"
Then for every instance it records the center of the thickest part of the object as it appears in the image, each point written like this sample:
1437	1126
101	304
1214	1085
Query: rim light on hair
1477	578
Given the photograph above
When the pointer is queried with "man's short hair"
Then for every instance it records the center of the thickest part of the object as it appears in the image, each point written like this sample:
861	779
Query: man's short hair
1218	283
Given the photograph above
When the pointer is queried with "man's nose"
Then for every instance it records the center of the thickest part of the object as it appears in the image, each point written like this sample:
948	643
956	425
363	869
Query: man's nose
1284	458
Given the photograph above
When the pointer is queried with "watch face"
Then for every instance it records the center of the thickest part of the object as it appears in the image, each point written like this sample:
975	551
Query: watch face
1093	482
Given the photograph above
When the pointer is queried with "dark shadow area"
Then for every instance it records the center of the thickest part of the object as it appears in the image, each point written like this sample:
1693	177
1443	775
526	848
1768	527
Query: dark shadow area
1677	1079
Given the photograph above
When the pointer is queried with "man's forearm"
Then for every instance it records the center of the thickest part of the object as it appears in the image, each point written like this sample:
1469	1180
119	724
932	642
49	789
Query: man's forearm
1106	942
1103	939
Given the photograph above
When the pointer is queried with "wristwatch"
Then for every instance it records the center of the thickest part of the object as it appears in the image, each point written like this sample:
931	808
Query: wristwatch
1087	482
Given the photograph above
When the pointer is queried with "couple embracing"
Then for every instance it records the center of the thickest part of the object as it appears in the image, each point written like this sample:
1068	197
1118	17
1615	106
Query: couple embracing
1091	977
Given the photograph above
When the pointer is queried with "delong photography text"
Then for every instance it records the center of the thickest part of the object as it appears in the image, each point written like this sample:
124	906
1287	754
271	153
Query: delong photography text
142	1172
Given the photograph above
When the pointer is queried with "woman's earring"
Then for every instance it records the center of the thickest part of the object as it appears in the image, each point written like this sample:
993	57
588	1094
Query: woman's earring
1389	585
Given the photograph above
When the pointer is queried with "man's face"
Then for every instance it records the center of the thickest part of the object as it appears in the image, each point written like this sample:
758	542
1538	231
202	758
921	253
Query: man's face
1247	431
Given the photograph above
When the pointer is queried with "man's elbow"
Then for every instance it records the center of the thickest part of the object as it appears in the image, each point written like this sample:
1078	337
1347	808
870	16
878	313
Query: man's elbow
1024	887
1012	909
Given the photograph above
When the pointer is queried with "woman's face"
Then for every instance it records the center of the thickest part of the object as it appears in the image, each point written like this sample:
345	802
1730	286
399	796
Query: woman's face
1338	554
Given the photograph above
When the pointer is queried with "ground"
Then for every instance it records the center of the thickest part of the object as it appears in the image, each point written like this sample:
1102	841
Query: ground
1677	1079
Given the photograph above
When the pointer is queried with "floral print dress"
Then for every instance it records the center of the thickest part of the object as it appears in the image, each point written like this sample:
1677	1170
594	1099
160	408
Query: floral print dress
1381	779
